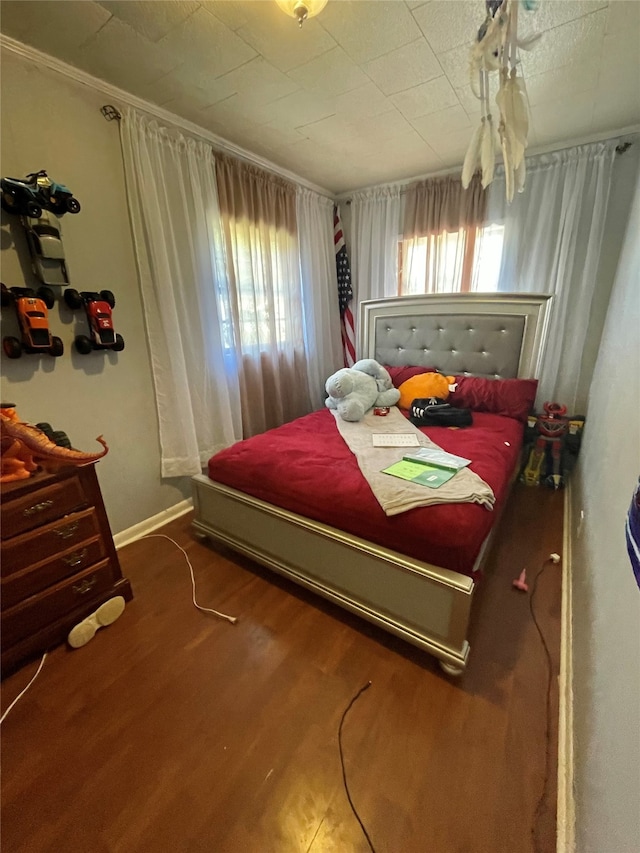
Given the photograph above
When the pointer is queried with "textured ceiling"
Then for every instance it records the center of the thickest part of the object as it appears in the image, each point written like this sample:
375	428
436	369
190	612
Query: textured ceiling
368	92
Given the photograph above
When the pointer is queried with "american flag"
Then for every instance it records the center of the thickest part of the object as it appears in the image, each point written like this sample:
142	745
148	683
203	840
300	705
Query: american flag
345	293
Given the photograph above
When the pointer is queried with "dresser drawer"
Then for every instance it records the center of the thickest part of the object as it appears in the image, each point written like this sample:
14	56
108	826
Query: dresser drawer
48	541
42	609
28	581
39	507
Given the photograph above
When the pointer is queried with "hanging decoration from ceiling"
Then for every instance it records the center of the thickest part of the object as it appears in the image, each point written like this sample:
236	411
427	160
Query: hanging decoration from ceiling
495	51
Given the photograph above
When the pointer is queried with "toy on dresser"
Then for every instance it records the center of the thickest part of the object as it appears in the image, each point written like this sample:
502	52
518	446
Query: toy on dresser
24	448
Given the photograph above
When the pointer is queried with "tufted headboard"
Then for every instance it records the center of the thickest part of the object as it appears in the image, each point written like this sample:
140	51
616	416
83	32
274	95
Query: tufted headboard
497	335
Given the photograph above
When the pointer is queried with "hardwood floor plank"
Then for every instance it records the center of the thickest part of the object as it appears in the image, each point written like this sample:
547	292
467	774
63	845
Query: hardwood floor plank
174	730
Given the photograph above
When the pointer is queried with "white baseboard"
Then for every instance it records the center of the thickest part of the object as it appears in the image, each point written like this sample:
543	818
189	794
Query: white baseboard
149	524
566	842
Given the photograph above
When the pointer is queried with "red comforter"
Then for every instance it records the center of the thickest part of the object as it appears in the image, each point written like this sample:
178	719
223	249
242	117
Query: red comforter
305	466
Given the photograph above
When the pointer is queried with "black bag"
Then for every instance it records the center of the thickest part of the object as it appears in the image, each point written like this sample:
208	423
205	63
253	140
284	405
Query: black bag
432	411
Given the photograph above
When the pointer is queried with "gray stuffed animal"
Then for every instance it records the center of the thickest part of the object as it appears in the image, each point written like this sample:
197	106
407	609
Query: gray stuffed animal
354	390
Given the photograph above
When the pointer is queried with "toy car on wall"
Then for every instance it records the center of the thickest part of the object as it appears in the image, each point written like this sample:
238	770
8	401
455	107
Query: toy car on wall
37	192
33	320
99	315
44	239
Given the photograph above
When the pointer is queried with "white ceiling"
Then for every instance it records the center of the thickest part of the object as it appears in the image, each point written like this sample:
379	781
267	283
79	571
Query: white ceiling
370	91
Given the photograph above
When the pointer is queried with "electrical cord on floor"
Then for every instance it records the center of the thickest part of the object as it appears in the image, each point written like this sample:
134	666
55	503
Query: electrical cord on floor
231	619
543	794
344	774
22	692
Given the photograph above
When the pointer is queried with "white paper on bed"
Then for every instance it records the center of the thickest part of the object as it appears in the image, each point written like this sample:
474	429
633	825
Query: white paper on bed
393	494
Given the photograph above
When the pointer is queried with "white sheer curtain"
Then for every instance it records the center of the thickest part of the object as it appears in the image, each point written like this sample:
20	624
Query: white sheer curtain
319	291
375	235
552	240
173	205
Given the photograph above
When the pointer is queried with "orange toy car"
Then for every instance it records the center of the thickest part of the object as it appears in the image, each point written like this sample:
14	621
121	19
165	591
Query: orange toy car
34	324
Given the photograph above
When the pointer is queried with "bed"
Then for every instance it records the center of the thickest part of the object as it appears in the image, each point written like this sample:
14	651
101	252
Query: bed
407	574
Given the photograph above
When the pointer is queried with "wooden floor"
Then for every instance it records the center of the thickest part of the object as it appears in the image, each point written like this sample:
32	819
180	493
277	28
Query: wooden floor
175	731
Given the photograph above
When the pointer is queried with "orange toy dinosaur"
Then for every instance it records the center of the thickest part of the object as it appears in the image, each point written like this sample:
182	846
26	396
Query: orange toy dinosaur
24	448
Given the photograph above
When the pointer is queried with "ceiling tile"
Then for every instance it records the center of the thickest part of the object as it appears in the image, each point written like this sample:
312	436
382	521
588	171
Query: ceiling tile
164	89
151	20
578	41
620	54
278	38
447	25
549	15
404	67
368	30
330	74
204	36
189	76
364	101
189	105
622	16
278	135
564	119
119	54
328	130
455	64
301	108
244	108
55	28
260	81
425	99
452	147
233	14
561	82
619	112
470	103
442	123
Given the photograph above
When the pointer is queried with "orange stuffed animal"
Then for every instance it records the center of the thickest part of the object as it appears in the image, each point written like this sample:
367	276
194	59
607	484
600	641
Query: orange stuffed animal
425	385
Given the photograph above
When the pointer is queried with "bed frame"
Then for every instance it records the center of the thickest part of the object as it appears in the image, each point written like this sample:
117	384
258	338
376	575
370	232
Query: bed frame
496	335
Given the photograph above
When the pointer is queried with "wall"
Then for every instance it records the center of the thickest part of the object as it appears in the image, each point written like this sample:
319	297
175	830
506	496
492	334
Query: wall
51	122
623	181
606	599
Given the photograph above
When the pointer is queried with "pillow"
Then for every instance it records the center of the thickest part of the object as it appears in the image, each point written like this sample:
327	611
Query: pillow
401	374
513	398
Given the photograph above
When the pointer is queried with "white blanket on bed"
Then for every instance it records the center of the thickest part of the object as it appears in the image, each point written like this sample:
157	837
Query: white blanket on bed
393	494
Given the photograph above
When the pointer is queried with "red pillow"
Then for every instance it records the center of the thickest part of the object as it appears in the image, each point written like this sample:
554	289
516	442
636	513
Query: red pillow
401	374
513	398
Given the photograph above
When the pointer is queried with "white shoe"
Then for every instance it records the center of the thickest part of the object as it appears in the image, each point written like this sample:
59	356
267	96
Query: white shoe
104	615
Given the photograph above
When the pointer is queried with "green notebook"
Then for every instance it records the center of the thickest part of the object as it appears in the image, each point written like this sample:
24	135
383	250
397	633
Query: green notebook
418	472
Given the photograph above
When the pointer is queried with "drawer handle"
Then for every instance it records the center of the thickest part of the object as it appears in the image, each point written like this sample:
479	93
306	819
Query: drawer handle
86	585
32	510
68	530
75	559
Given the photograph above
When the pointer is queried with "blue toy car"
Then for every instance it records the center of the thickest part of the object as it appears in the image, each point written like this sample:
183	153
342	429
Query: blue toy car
35	193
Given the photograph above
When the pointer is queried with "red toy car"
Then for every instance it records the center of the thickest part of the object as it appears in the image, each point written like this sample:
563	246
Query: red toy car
34	324
98	309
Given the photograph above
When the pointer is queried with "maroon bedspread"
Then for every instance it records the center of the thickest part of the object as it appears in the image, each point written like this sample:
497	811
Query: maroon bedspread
305	466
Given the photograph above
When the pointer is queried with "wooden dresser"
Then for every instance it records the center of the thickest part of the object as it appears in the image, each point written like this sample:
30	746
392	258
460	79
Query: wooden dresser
59	562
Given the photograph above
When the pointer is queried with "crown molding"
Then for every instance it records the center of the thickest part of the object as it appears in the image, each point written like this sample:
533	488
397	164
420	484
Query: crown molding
25	51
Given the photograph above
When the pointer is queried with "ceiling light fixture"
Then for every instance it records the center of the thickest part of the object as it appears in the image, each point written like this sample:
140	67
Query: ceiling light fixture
301	9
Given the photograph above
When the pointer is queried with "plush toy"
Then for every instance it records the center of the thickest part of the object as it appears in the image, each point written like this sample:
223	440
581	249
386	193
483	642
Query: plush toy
426	385
354	390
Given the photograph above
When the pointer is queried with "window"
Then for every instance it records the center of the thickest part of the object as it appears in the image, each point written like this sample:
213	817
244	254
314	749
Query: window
461	261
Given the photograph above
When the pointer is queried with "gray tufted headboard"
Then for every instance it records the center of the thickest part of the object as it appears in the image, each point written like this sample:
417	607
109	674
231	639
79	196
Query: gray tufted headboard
498	336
